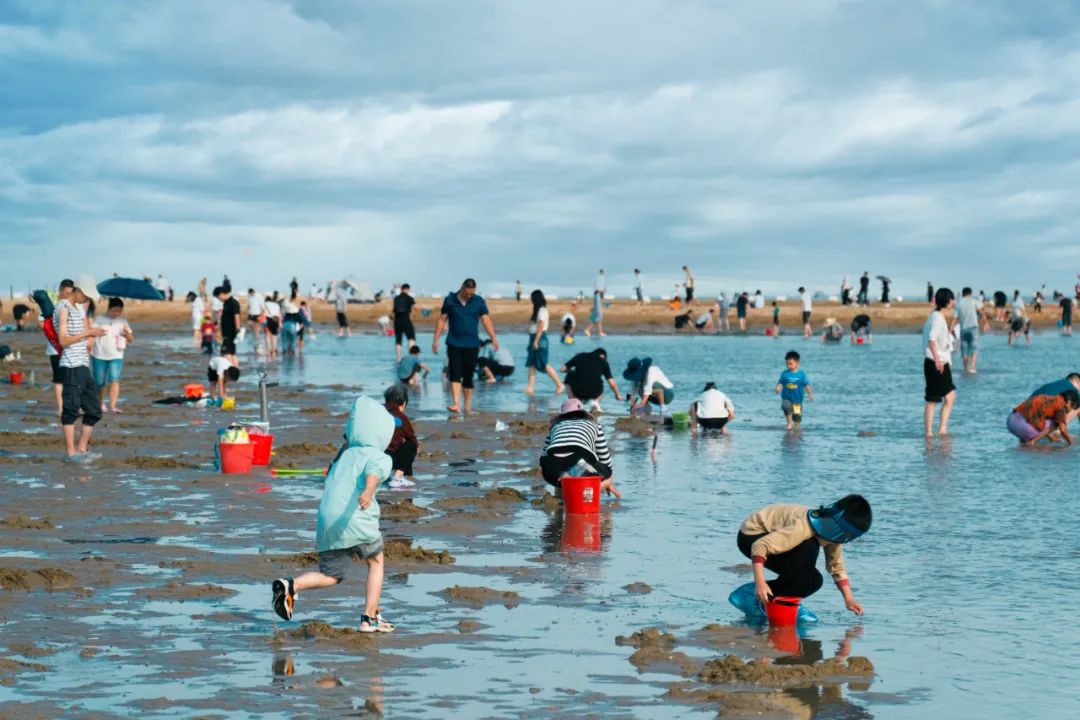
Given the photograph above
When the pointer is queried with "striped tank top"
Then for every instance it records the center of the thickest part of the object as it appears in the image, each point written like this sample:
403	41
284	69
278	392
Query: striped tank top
76	354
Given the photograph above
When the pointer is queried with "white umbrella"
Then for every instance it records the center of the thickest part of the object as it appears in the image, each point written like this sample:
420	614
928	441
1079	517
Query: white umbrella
88	286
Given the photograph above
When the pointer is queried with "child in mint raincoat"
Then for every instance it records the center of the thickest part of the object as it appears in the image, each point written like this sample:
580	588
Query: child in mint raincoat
349	516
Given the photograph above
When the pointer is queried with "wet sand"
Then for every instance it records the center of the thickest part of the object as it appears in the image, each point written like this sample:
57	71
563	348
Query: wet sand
150	570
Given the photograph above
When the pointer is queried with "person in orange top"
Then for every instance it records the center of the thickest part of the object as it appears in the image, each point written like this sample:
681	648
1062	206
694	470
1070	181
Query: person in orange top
1038	416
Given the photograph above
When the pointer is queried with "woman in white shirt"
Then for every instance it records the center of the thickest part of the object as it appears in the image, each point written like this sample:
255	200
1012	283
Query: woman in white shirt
712	410
539	323
937	363
650	386
107	354
198	307
272	310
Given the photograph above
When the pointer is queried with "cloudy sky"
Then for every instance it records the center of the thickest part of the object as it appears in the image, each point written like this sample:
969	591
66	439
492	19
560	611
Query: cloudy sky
767	144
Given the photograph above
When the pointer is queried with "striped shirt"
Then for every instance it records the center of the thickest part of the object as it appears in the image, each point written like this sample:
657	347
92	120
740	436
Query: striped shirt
75	354
579	430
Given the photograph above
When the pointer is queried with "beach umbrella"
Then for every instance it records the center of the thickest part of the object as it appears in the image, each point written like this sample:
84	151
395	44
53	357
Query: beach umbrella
132	288
88	286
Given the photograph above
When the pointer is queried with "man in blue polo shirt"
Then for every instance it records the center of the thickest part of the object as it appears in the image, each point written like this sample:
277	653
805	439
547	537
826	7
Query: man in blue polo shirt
463	311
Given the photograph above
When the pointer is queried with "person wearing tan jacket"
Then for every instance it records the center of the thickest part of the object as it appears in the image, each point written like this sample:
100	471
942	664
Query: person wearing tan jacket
786	539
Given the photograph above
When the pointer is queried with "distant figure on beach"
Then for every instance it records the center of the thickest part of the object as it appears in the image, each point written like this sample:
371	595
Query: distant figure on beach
292	323
349	515
163	285
1037	301
1066	304
930	292
792	386
341	305
539	345
273	314
586	374
834	331
1041	416
596	315
403	324
807	310
861	329
688	284
639	287
775	319
864	289
740	310
255	319
228	323
712	410
758	301
569	325
198	308
885	283
971	320
722	322
462	313
518	290
937	364
576	445
787	538
600	286
1001	301
649	386
845	292
410	367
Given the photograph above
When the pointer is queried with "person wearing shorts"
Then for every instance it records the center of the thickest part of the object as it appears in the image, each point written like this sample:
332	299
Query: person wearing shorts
462	313
807	308
712	410
1066	315
403	325
791	386
229	322
107	355
937	364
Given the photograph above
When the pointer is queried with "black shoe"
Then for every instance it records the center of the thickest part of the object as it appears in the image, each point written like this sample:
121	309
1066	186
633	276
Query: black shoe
284	598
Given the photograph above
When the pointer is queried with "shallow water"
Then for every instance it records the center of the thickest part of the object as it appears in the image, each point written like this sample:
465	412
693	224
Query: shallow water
972	554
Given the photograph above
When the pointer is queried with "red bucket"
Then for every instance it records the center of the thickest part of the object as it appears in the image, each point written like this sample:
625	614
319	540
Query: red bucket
860	340
783	610
581	533
236	457
581	495
15	378
263	445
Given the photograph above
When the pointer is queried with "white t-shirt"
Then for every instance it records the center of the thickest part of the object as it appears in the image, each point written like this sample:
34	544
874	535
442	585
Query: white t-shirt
289	306
713	404
759	300
937	329
216	306
656	376
219	364
807	303
255	304
569	316
198	307
542	318
703	318
112	344
1018	306
272	309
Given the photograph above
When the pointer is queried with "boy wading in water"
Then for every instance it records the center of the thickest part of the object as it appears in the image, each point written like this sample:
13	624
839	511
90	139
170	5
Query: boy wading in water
349	516
791	385
786	538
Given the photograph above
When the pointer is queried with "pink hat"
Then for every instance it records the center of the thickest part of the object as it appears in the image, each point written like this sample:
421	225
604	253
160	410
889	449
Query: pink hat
571	405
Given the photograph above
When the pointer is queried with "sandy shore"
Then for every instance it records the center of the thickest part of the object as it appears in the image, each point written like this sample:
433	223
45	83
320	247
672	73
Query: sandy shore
622	316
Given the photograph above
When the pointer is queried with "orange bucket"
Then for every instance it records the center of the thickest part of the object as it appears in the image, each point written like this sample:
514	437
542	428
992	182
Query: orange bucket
263	445
15	378
236	457
581	533
581	495
193	390
783	610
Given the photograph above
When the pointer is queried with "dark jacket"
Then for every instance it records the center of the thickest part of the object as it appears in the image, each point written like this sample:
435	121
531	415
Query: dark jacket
403	429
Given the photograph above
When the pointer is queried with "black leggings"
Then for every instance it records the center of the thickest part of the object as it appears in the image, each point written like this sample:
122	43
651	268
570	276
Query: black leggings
554	467
796	568
404	456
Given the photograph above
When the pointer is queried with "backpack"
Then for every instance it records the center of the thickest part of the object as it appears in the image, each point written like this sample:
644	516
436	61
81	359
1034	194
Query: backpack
44	302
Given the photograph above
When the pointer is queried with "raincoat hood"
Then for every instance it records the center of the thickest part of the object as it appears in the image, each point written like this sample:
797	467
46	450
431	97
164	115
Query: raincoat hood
369	425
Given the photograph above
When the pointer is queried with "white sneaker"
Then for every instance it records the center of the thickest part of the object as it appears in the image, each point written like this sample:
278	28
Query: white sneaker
397	483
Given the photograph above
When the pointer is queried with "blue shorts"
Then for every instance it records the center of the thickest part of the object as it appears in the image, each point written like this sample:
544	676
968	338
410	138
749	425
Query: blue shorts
969	341
106	371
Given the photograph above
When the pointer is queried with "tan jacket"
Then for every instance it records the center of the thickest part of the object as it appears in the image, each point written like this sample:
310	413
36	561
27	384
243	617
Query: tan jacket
786	526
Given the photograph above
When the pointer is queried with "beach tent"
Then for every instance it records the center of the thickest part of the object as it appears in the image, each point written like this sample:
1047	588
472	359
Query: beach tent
359	291
131	288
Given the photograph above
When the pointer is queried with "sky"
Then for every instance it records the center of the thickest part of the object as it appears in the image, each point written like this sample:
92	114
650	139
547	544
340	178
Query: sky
766	144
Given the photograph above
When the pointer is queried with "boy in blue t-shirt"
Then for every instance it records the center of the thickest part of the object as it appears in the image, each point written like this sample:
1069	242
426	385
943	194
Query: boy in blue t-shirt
791	384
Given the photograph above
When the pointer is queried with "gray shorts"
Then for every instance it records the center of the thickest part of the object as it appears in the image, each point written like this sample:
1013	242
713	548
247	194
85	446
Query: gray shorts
790	408
969	341
338	563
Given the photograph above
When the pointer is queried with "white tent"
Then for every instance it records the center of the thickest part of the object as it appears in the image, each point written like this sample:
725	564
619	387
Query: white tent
360	291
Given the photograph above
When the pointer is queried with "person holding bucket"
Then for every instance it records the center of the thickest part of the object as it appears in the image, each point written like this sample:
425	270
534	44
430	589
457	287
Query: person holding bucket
786	538
576	444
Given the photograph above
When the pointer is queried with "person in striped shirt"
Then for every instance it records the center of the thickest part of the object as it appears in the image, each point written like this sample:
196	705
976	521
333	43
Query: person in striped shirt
576	444
79	390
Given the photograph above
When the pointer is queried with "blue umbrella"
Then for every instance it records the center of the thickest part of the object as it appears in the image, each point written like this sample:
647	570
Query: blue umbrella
132	288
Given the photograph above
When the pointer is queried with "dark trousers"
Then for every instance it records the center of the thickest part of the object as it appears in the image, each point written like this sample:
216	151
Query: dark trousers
79	392
404	456
796	568
553	467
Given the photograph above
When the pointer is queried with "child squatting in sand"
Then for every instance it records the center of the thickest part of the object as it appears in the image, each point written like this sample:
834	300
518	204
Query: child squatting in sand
349	516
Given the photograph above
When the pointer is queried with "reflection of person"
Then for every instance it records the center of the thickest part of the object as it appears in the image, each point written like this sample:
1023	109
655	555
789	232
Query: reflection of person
786	538
462	313
349	517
